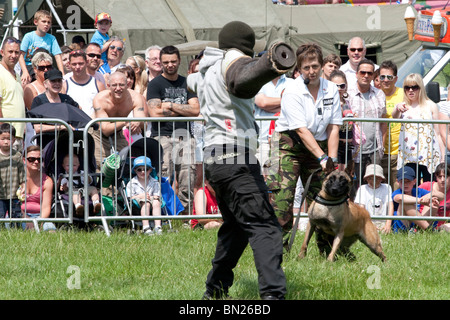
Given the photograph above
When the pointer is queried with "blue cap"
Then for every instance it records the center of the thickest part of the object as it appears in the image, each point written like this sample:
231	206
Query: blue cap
142	161
406	173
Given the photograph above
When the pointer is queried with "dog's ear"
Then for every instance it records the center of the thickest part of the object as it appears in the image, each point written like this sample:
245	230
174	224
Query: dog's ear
329	168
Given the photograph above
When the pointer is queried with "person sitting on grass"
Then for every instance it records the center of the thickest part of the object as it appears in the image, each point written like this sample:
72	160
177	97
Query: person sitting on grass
145	189
205	203
411	201
376	196
78	186
441	189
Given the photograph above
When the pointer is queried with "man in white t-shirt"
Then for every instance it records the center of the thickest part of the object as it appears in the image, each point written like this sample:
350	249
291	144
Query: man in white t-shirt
81	86
268	103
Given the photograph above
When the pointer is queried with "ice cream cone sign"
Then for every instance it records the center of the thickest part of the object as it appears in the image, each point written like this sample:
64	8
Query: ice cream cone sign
437	22
409	19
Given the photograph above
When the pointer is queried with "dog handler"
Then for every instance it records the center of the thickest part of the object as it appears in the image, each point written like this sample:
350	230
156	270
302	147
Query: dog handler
307	132
227	80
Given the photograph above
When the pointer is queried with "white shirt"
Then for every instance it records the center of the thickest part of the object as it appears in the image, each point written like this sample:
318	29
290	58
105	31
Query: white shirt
376	201
273	91
134	187
84	93
299	110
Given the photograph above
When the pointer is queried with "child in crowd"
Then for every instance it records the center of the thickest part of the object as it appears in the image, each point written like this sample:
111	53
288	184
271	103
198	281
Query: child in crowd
12	173
39	39
205	203
145	189
102	23
441	189
78	186
409	201
376	196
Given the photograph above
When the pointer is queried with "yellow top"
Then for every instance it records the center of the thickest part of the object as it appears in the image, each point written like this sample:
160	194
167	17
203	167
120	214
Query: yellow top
391	142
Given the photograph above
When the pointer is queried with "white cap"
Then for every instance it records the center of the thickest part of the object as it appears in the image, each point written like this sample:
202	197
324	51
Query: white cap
437	18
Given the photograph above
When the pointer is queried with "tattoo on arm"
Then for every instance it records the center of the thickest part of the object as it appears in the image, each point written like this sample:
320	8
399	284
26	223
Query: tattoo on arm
154	103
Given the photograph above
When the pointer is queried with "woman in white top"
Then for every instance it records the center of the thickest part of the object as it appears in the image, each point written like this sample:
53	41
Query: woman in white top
306	134
420	143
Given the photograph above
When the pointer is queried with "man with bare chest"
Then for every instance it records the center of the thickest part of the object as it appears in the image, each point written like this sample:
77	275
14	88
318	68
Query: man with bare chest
117	101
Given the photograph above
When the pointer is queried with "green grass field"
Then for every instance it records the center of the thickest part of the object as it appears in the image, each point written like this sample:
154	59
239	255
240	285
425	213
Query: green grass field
91	266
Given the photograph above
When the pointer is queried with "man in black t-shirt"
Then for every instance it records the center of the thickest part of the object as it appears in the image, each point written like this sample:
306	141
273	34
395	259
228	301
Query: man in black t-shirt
168	96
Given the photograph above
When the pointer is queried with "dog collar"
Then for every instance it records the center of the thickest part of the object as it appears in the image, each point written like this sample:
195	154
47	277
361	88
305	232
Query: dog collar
327	202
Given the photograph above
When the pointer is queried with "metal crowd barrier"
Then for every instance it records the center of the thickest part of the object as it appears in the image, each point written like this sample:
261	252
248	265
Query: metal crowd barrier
106	219
36	221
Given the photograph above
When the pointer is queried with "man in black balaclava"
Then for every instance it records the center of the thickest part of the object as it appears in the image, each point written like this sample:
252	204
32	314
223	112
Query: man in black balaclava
227	80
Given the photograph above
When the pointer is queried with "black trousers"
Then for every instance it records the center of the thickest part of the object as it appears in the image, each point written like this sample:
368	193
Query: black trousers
248	217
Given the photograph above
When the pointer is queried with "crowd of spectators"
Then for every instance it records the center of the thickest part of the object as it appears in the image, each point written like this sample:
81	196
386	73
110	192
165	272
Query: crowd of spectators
91	76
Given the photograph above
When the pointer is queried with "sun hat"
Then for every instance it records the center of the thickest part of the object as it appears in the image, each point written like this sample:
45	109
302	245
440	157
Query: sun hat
406	173
142	161
374	170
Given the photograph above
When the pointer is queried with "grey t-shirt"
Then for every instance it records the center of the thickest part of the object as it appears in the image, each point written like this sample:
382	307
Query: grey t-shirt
369	129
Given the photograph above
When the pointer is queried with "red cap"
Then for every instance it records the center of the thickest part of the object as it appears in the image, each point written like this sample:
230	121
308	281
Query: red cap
102	16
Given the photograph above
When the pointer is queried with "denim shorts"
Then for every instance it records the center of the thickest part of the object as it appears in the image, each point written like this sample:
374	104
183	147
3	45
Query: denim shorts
47	226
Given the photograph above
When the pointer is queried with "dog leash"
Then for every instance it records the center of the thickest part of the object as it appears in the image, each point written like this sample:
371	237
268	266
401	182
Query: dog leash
297	219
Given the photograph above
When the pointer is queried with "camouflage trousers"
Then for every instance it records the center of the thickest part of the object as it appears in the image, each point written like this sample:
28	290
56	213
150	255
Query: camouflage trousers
292	161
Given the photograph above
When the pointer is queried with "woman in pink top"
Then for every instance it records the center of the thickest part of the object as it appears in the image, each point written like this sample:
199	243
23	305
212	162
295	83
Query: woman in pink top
38	189
205	194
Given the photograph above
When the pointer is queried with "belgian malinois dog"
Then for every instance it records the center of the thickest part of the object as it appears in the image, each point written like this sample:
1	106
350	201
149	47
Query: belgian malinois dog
337	221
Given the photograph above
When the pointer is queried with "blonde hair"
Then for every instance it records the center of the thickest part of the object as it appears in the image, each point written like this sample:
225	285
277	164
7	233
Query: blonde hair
412	80
141	76
42	13
41	56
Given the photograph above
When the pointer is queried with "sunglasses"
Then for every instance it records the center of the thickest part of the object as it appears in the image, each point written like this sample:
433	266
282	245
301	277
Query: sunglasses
12	40
356	49
341	86
363	73
388	77
140	170
116	47
93	55
76	52
33	159
413	88
44	68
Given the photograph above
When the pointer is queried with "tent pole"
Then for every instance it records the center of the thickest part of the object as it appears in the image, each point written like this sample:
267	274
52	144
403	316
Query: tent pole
55	14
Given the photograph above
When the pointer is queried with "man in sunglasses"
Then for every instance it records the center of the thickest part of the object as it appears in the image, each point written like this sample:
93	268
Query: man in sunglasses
394	95
356	52
12	104
366	101
114	56
93	60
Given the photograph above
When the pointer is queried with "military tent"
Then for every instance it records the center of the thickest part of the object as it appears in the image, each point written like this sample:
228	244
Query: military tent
192	24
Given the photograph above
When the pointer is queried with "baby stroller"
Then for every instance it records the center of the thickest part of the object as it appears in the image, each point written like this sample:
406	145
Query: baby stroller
149	147
53	156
